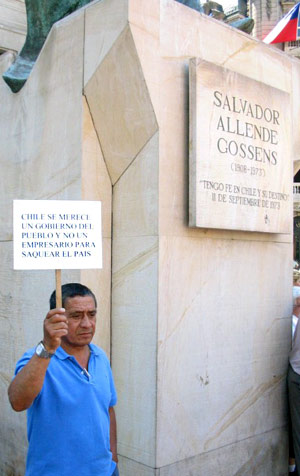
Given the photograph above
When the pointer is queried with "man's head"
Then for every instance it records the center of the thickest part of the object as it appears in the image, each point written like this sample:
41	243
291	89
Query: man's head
80	310
71	290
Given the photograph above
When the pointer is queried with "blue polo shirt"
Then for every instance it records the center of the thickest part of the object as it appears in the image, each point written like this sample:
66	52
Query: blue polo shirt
68	422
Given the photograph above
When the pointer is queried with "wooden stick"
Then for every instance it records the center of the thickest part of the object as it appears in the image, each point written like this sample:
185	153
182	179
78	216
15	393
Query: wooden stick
58	287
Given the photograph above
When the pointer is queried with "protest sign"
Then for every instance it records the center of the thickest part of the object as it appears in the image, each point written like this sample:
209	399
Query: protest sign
57	234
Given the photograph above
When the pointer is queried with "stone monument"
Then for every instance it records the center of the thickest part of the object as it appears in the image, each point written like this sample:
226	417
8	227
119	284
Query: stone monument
195	319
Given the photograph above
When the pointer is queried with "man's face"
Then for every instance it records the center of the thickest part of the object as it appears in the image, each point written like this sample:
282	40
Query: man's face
81	314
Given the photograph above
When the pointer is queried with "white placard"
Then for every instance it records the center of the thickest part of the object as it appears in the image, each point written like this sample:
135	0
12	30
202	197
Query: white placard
57	234
240	152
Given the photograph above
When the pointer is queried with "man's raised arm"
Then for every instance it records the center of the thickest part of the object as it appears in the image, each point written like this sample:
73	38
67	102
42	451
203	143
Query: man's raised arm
28	382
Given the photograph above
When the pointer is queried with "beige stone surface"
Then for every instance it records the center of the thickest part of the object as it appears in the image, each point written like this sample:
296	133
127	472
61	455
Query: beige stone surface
13	24
253	456
120	106
134	336
134	298
129	466
235	50
134	305
104	22
144	21
6	59
96	185
134	295
229	348
135	195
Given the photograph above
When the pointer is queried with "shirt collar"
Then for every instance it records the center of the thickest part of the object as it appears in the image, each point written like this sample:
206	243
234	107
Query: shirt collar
63	355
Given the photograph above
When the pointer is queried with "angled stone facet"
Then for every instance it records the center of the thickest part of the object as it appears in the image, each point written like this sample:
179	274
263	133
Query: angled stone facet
121	106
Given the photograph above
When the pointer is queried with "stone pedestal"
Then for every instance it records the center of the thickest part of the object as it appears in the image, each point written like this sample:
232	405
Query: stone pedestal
200	318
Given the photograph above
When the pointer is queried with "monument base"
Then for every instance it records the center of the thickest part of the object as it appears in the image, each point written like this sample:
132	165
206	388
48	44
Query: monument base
255	455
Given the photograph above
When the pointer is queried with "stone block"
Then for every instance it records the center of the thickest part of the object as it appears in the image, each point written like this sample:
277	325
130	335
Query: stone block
96	185
120	106
257	456
99	281
135	195
232	363
13	24
134	331
252	57
128	466
104	22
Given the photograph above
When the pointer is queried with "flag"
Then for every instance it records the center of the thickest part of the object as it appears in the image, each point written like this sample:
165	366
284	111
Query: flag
287	29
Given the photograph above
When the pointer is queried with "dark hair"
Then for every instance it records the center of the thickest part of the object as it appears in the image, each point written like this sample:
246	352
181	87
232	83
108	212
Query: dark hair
71	290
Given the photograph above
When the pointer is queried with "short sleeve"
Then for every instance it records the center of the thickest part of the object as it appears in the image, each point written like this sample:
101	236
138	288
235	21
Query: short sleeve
113	399
24	360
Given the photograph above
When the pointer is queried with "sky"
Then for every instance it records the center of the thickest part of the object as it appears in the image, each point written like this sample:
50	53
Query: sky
226	4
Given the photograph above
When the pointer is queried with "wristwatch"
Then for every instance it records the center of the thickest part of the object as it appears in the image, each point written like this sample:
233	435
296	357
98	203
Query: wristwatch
42	352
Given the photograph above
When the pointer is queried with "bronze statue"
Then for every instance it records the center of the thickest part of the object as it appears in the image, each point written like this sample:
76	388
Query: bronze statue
41	15
215	10
195	4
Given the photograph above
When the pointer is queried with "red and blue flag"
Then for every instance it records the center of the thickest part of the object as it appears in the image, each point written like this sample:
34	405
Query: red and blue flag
287	29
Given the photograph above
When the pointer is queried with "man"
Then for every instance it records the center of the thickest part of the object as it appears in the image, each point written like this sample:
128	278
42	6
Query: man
294	386
67	387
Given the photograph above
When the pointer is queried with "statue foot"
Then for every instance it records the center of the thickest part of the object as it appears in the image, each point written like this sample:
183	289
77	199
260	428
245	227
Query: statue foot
17	75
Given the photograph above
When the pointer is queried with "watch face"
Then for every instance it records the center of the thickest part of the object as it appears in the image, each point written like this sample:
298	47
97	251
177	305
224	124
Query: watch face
39	349
42	352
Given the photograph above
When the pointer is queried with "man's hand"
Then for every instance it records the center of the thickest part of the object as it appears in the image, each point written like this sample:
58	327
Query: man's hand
55	327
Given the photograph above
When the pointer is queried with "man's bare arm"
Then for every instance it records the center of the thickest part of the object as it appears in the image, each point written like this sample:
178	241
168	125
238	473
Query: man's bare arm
28	383
113	434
